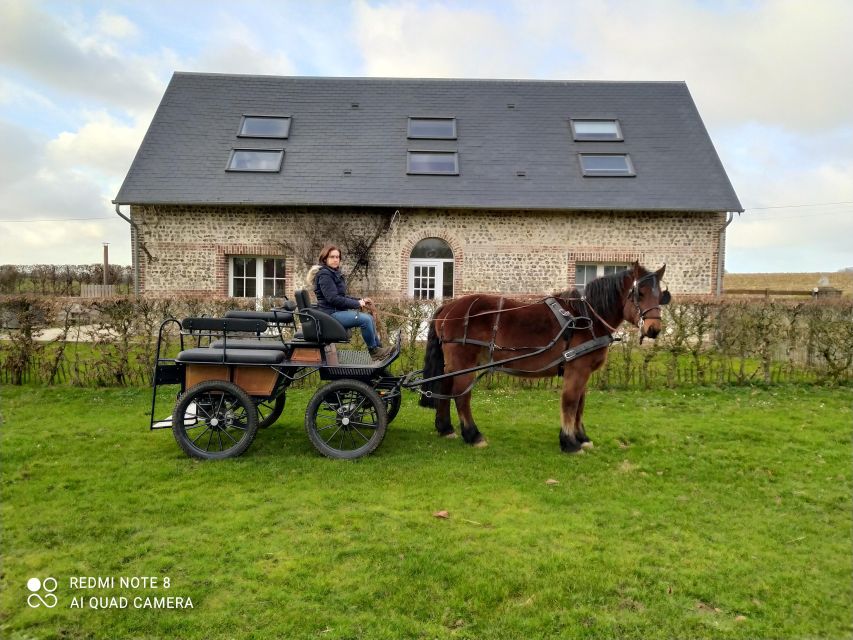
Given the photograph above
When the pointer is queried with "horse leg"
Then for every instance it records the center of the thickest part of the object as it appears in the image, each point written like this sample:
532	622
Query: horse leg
571	399
443	424
586	443
470	433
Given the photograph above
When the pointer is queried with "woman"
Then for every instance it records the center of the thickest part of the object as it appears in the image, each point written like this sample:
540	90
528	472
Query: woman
331	291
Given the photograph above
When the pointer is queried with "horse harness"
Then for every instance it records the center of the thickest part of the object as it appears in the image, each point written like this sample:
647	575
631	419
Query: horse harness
567	324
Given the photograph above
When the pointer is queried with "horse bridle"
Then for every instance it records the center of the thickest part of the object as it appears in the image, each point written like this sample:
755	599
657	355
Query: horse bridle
634	295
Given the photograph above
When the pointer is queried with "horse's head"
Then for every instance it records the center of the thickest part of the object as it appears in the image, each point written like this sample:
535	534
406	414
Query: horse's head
645	299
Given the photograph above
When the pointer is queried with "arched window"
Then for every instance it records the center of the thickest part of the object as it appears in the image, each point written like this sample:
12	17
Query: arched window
431	270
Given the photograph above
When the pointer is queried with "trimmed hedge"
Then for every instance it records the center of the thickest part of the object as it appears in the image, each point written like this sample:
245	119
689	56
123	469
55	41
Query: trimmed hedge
111	342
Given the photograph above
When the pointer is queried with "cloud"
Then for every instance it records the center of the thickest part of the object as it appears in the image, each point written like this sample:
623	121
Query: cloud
777	61
411	40
102	143
238	50
116	26
40	183
48	50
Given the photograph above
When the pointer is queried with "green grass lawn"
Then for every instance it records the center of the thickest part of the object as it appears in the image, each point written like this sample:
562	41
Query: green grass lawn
699	514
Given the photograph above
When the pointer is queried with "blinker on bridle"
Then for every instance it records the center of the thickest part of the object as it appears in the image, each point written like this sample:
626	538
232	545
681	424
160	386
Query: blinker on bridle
634	294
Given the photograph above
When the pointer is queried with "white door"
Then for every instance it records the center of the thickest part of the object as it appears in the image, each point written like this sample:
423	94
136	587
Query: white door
426	279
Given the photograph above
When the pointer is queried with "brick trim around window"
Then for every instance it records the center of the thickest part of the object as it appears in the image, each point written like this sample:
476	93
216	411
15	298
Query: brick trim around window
226	251
406	255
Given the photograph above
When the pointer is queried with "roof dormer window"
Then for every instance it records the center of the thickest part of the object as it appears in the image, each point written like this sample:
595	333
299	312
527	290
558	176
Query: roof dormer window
264	127
432	128
597	130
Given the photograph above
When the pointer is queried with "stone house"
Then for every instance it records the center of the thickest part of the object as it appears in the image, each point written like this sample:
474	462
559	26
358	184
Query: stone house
432	187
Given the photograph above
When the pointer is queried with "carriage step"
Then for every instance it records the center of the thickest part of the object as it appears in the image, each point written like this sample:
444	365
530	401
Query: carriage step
190	418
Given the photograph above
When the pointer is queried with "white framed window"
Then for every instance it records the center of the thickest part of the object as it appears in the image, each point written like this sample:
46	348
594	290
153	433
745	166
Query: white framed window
587	272
431	270
256	277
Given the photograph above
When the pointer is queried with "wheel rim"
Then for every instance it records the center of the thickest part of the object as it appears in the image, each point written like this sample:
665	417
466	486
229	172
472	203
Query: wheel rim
220	422
269	411
346	420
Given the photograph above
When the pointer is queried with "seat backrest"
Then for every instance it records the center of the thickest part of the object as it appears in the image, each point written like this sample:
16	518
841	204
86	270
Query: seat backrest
224	324
303	301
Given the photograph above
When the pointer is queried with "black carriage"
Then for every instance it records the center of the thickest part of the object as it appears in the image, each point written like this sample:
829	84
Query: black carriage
234	374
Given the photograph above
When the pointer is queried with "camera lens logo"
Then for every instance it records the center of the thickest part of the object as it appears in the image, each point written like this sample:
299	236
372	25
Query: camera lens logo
35	599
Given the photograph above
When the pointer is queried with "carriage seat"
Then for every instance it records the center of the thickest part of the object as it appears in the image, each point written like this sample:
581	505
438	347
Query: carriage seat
231	356
273	316
318	326
250	343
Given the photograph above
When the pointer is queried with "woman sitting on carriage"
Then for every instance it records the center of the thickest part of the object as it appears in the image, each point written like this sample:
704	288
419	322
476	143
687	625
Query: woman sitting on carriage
331	291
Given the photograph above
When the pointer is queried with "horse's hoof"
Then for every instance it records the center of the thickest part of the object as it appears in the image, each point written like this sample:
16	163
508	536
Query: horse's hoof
480	444
449	436
587	445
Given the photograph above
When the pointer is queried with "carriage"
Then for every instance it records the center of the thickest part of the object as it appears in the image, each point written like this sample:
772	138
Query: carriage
234	373
235	378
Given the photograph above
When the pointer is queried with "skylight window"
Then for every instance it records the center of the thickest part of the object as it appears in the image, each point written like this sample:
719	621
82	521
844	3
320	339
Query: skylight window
600	164
433	163
602	130
263	160
264	127
433	128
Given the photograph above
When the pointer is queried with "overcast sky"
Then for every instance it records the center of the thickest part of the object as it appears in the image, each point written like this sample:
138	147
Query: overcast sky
79	83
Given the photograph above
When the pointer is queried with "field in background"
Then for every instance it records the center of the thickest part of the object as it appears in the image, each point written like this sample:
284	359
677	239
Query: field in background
701	513
842	280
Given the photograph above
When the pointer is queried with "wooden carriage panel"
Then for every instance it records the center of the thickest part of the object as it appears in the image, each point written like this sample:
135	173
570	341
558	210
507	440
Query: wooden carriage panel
256	381
200	372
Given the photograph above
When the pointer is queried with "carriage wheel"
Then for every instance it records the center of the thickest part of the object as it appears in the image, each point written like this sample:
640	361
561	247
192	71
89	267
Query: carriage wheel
270	410
215	420
392	405
346	419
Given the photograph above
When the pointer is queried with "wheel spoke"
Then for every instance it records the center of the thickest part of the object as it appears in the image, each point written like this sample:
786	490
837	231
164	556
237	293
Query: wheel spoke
365	438
231	437
219	436
329	439
200	435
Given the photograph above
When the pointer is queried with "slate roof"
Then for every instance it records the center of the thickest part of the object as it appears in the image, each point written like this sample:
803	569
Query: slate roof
184	153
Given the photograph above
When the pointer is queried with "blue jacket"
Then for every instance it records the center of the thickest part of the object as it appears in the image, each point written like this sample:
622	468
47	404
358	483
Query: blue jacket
331	291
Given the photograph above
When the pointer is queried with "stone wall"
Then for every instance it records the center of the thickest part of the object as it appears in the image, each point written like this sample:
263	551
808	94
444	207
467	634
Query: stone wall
186	249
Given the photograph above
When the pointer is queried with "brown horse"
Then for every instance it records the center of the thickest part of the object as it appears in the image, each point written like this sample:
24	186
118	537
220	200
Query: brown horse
481	329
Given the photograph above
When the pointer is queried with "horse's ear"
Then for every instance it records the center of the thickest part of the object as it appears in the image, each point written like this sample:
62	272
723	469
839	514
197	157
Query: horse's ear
659	272
636	269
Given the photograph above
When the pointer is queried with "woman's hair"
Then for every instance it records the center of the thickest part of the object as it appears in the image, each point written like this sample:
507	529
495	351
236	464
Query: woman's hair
324	254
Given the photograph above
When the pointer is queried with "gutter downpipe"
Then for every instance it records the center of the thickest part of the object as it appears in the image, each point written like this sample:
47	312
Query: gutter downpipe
135	249
730	216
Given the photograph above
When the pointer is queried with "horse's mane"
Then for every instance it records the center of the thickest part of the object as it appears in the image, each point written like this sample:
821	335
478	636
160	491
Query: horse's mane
604	294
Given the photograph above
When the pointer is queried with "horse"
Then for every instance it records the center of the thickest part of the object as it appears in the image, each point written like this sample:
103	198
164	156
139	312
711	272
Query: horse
480	331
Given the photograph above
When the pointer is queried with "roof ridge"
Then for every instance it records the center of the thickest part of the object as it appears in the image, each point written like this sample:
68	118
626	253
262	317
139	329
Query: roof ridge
416	79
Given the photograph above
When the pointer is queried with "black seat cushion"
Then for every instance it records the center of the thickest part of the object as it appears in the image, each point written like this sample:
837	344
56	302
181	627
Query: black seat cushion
318	326
273	316
250	343
231	356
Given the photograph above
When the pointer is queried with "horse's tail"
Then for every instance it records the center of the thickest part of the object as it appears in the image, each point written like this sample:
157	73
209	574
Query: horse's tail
433	362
